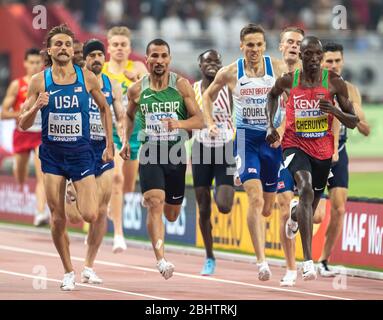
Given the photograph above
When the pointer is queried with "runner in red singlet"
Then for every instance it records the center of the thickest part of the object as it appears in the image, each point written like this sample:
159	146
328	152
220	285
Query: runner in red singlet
26	141
308	142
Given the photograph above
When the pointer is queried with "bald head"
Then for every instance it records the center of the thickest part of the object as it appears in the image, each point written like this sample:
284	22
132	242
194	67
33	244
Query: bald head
311	54
310	41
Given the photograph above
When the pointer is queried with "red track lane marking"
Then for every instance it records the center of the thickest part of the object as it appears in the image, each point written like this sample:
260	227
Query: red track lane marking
113	264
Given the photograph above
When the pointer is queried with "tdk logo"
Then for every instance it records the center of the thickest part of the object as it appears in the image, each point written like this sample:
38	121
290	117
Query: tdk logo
65	117
256	101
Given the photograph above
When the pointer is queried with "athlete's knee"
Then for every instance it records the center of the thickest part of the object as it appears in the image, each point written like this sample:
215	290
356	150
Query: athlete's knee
153	201
224	204
339	211
256	200
58	221
267	210
118	179
306	193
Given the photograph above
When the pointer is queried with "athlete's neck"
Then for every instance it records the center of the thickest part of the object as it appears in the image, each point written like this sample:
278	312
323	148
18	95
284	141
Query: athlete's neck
205	83
27	78
293	66
159	83
255	69
311	77
116	67
63	72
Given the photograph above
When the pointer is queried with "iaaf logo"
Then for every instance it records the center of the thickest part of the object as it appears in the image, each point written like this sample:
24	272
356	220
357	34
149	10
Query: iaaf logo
356	227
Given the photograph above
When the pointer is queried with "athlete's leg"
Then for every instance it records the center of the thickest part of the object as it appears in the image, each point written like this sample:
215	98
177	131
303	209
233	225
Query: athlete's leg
269	201
154	200
338	199
255	220
320	211
20	167
97	228
204	206
55	193
304	210
116	200
130	170
71	208
87	201
288	245
40	192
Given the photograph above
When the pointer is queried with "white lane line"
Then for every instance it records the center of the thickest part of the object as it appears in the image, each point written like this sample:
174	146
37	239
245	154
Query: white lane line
186	275
82	285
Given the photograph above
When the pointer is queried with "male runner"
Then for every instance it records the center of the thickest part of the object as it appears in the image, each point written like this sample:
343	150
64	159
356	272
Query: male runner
26	141
61	92
124	71
308	140
338	184
94	54
290	41
166	107
250	79
212	157
78	57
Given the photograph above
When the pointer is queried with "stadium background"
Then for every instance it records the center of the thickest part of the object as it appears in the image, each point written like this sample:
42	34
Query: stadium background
190	27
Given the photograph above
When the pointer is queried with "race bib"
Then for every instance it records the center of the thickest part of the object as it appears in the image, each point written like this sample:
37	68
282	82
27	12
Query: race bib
96	129
66	127
225	134
157	130
311	123
254	115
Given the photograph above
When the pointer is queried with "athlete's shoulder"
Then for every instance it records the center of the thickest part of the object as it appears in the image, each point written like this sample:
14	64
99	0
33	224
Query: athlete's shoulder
183	85
38	80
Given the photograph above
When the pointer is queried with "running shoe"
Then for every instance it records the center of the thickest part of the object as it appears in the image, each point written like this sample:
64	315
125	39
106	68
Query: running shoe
119	244
289	279
68	282
41	219
264	272
88	275
324	270
308	272
165	268
208	267
291	226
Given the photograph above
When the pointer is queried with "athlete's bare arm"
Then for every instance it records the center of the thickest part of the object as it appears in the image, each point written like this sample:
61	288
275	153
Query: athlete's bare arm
137	73
281	85
10	97
118	108
225	76
356	99
133	97
336	131
195	118
37	98
279	67
94	89
346	113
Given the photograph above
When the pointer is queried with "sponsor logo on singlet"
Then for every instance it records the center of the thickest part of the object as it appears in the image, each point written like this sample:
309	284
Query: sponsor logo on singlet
310	121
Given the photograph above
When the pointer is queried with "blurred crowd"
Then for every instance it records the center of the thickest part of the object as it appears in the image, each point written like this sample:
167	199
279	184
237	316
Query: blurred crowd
222	19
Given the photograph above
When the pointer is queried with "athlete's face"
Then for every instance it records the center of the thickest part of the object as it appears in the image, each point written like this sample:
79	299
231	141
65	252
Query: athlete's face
33	64
290	45
158	59
333	61
94	61
312	56
210	64
77	57
61	49
253	47
119	48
